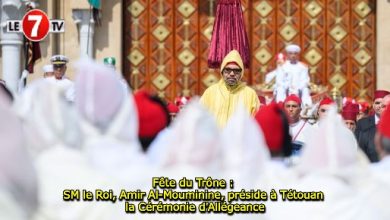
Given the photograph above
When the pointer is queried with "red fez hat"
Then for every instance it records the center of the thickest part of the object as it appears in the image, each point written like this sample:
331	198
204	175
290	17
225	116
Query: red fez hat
151	115
270	121
293	98
384	123
262	99
326	101
350	111
363	107
172	108
380	94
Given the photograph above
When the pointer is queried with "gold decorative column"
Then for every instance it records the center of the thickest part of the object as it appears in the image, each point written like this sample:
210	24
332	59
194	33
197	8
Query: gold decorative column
263	41
161	23
362	47
313	38
138	49
337	66
186	44
208	76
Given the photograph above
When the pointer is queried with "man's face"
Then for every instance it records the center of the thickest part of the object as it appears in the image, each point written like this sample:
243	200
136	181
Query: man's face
322	111
351	125
293	110
48	74
232	74
385	102
59	70
377	106
293	57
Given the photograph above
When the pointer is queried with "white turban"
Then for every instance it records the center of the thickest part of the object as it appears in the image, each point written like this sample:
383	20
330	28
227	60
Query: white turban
48	68
293	48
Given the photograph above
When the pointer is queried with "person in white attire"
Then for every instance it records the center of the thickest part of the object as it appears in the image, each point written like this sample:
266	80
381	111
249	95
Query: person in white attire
246	157
59	63
292	77
109	124
189	148
48	71
333	164
53	139
18	182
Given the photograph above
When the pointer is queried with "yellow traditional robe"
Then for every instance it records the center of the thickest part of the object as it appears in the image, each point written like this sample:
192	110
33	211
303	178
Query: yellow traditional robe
222	102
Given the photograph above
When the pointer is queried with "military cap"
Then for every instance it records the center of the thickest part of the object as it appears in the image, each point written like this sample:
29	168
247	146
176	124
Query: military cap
59	59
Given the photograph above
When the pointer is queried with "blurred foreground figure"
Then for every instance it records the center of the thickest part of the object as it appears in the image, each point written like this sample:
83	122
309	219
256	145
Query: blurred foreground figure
6	92
222	99
109	125
331	163
153	117
53	139
244	150
274	123
18	183
192	141
49	119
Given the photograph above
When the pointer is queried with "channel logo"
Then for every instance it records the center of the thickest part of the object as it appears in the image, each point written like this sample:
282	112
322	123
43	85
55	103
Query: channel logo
35	25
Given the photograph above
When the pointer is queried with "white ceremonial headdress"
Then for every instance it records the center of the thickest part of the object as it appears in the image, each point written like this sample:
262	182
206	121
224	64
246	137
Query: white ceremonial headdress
244	152
293	48
48	68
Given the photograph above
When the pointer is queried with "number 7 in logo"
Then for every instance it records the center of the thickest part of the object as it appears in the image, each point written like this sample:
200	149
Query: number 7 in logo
36	25
37	19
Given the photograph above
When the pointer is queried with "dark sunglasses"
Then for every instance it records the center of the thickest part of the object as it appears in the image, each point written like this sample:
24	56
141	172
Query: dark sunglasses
229	70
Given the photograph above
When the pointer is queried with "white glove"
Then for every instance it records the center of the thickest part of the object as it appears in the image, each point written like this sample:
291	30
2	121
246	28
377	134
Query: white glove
21	81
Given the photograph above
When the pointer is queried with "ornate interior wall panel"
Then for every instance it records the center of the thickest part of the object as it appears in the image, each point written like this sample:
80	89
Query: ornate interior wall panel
363	48
263	39
338	44
314	39
166	42
186	47
207	76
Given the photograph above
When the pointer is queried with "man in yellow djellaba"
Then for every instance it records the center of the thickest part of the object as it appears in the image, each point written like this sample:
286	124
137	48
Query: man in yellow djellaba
222	98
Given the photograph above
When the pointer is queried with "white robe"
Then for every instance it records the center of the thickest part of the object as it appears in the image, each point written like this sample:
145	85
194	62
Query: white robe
298	131
66	84
293	78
